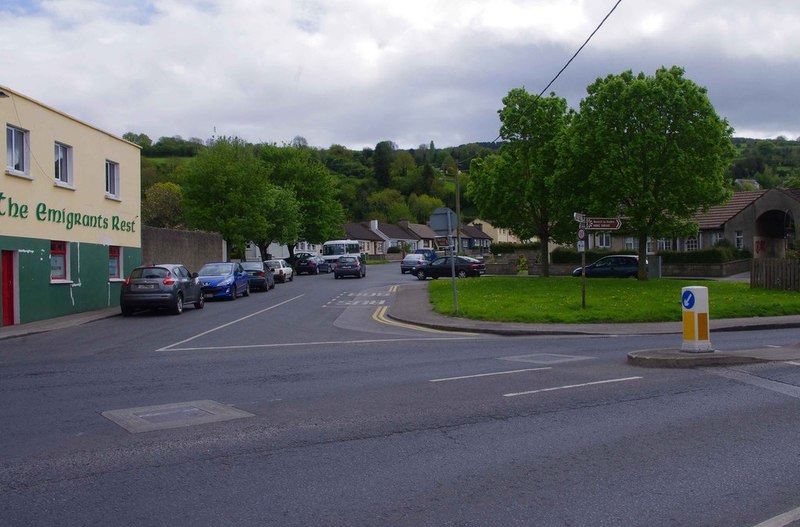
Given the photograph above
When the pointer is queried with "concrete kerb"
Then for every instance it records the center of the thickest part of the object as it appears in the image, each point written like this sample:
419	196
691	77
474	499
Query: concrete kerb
411	306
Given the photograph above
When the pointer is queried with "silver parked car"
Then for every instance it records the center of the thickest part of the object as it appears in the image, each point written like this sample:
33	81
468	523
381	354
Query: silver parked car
169	286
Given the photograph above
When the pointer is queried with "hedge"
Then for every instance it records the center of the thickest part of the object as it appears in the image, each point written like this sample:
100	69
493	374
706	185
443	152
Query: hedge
718	254
508	248
561	255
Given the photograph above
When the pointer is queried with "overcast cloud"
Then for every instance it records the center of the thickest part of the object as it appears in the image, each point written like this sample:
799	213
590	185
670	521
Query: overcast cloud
356	72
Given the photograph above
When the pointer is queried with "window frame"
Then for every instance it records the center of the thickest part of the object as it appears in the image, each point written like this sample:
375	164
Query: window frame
115	255
113	193
739	239
63	164
60	249
602	240
692	243
11	148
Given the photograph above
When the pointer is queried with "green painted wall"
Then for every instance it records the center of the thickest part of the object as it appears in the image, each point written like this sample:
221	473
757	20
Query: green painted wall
88	270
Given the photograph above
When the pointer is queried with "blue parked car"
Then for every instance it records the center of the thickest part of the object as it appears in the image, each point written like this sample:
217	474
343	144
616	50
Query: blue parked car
224	280
429	254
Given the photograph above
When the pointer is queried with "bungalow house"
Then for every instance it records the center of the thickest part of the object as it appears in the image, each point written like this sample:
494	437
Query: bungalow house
474	240
497	234
393	235
426	236
761	221
371	242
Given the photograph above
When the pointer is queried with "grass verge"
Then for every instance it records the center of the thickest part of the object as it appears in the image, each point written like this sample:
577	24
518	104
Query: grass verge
558	299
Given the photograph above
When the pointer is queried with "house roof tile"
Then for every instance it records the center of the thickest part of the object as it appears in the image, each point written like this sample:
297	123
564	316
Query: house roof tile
716	217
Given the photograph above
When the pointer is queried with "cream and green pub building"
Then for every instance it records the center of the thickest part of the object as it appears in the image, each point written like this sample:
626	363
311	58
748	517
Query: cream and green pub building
70	212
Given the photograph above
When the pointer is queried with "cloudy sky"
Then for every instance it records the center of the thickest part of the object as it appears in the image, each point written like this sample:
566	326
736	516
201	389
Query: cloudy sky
356	72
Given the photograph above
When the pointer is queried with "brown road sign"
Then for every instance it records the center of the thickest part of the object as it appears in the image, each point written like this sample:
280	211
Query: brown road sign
603	224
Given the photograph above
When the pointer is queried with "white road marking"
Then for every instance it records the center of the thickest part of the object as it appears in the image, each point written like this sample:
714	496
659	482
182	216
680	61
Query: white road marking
792	363
315	343
754	380
571	386
486	374
782	520
165	348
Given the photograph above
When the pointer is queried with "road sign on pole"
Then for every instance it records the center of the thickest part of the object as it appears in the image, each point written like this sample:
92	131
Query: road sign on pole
603	224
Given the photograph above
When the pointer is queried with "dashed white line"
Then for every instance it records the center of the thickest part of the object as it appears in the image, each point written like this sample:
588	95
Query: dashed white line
571	386
487	374
782	520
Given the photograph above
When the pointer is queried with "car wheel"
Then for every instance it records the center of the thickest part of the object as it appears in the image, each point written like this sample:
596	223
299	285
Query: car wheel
177	306
234	293
246	290
291	277
316	270
462	274
201	302
421	275
126	311
272	285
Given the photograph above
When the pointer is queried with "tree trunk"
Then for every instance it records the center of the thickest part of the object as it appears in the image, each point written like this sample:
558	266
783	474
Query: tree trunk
642	257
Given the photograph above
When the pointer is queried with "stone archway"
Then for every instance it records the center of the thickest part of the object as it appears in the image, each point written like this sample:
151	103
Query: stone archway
775	231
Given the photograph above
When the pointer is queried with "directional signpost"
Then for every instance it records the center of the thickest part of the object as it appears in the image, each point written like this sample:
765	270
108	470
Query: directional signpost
590	224
442	222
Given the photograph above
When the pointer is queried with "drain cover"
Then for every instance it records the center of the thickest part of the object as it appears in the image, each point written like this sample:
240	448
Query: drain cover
545	358
175	415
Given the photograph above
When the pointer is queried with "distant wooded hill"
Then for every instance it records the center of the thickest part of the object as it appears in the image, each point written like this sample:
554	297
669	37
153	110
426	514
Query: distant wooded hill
389	184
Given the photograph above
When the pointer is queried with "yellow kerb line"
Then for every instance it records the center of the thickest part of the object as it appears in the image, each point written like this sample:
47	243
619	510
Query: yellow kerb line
380	316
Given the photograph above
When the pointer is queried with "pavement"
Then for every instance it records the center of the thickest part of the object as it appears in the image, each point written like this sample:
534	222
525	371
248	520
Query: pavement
411	306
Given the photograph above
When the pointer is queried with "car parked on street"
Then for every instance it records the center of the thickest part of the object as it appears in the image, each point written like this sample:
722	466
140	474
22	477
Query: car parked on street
224	280
169	286
261	276
441	267
312	264
410	262
349	266
283	271
612	266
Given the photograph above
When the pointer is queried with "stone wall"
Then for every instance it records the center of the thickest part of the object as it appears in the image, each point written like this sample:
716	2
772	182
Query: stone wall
190	248
705	270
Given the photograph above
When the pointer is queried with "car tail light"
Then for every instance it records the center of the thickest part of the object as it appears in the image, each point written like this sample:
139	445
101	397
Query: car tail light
262	274
127	282
169	280
473	266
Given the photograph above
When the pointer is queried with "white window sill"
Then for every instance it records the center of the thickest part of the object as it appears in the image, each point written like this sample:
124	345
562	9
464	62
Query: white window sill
61	184
17	173
57	282
113	197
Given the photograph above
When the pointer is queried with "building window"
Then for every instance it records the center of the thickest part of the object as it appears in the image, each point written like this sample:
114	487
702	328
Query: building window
631	243
58	260
716	237
603	240
112	179
740	240
17	151
63	164
114	261
691	243
664	244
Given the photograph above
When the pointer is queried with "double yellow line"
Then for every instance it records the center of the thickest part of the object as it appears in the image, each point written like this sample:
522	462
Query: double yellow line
380	316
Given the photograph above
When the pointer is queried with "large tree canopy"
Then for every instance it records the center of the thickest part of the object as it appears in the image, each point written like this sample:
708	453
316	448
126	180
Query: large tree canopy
226	190
649	149
512	189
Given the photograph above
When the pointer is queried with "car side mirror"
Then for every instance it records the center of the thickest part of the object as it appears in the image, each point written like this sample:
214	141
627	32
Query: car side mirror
193	275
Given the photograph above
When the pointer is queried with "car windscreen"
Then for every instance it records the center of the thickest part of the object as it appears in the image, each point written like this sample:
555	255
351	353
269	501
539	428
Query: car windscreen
216	269
253	266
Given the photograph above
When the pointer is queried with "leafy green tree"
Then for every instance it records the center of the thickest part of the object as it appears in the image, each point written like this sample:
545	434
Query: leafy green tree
283	221
161	206
226	190
404	174
314	187
651	150
513	189
388	206
422	206
382	162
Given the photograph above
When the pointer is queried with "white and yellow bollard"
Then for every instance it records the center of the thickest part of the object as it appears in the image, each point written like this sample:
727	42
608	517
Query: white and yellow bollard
695	319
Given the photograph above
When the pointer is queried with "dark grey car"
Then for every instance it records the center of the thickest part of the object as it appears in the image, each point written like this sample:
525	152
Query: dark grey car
169	286
613	266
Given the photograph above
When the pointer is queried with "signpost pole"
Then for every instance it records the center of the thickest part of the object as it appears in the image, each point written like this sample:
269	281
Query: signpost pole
452	264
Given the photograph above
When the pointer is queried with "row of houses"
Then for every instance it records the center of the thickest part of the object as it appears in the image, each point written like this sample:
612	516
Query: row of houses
377	238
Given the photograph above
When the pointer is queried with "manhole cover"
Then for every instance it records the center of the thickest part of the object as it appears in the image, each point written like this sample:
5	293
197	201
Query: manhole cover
545	358
175	415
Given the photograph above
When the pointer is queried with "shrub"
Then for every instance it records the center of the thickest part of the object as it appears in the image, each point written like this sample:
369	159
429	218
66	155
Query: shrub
394	249
721	253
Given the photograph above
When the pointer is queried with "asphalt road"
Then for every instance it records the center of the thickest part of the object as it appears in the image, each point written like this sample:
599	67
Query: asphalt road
354	420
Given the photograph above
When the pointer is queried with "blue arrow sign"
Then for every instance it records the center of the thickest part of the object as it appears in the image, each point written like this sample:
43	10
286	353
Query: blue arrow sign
687	300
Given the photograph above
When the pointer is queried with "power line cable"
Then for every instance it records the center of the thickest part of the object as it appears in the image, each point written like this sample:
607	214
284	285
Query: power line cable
576	53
